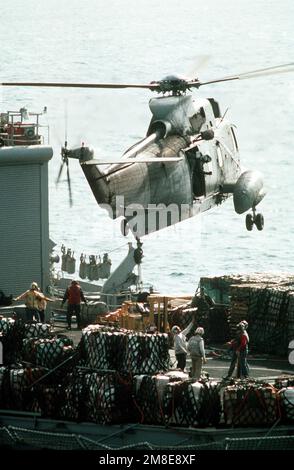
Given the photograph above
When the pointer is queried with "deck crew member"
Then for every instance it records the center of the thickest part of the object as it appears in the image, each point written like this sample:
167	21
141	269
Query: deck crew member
197	352
73	295
31	297
42	304
180	344
239	351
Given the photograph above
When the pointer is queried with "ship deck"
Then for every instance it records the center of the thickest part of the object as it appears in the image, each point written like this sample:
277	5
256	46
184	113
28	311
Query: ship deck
29	430
262	366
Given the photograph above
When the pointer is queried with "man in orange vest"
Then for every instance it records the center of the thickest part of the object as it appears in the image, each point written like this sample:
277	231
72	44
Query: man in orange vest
73	295
32	297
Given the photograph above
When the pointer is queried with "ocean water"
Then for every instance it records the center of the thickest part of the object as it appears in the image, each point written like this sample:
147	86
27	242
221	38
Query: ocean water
139	41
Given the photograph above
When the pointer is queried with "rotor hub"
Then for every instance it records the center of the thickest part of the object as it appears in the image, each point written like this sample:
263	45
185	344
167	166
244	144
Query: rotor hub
174	84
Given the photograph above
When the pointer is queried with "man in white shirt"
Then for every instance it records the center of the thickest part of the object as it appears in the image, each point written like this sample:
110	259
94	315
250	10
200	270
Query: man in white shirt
180	344
197	352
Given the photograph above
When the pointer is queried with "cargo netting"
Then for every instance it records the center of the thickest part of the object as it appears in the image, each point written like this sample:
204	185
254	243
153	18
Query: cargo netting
106	348
172	399
120	376
102	398
265	301
163	399
251	404
192	403
47	352
287	404
13	334
15	390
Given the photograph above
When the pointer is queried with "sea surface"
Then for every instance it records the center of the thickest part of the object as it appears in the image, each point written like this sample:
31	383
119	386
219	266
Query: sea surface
139	41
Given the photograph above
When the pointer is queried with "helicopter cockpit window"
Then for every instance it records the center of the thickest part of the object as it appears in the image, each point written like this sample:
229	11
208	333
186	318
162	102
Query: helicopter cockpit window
197	120
215	107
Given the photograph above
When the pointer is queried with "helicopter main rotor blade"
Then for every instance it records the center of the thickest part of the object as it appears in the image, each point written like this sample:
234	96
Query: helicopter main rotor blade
150	86
200	62
284	68
132	160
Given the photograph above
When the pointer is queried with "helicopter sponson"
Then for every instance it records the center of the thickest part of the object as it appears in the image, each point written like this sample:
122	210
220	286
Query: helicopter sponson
248	191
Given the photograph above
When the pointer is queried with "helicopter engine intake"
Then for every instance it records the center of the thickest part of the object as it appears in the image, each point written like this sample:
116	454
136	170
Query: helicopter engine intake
248	191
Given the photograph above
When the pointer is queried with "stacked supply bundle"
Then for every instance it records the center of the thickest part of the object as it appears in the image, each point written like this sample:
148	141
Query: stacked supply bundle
2	381
14	333
266	301
240	297
286	396
149	391
103	347
192	403
52	352
107	348
32	332
37	330
73	405
28	352
51	398
9	340
219	330
15	387
267	311
268	320
290	318
109	398
250	404
146	353
219	287
102	398
6	325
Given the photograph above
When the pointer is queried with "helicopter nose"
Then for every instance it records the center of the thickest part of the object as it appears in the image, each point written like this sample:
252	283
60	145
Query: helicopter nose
248	191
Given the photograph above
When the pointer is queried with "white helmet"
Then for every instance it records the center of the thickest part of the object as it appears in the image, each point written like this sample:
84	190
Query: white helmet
199	331
175	329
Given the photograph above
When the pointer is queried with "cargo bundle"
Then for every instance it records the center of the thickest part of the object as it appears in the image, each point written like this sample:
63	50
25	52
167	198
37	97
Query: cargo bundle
107	348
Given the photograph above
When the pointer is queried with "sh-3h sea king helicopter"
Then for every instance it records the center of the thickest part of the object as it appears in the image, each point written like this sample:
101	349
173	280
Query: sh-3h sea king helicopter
187	163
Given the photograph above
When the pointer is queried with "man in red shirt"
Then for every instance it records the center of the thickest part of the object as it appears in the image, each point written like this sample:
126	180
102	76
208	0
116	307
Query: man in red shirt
73	295
239	349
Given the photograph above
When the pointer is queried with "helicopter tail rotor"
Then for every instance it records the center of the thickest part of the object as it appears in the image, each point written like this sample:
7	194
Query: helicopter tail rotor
65	162
65	153
69	185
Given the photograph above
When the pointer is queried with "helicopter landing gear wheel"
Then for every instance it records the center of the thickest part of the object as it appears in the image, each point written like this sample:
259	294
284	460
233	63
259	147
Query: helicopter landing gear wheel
254	219
249	222
259	221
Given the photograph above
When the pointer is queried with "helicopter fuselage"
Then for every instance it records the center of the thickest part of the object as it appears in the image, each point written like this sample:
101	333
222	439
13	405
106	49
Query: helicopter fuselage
189	163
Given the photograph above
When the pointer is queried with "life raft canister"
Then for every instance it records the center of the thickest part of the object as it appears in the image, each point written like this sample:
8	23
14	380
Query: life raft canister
29	132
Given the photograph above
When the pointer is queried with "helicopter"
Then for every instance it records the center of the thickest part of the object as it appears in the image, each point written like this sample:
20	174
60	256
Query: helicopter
187	163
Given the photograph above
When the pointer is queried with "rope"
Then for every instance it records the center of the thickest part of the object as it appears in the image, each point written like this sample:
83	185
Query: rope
53	370
114	249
